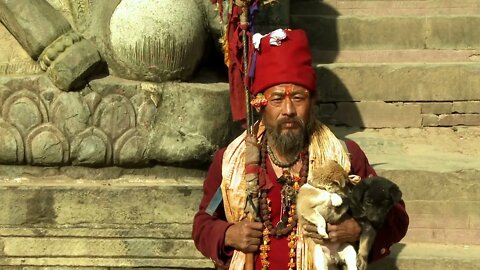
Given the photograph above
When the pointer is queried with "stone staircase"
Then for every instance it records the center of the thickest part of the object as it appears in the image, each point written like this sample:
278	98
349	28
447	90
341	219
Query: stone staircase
408	72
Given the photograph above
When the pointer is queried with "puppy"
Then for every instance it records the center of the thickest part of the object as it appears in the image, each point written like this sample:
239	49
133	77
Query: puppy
320	202
370	201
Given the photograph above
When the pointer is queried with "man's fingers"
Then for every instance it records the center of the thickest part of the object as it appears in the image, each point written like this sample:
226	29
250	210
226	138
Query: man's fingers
318	241
254	241
331	227
255	225
251	249
310	228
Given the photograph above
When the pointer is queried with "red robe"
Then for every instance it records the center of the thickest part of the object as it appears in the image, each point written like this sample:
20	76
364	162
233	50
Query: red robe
209	231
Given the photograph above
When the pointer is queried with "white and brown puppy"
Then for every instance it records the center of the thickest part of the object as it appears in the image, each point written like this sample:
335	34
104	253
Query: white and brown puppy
370	201
320	202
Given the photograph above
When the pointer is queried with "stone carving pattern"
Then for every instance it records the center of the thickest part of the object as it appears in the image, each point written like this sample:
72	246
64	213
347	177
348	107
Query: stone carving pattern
89	130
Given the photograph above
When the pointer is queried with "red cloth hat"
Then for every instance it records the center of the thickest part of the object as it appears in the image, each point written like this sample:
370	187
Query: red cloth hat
289	62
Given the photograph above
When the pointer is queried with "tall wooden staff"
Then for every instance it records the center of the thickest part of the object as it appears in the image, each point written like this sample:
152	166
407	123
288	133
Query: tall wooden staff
250	204
238	19
245	42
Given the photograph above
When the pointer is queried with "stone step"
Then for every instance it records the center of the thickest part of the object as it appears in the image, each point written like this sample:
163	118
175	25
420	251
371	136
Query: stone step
442	32
385	7
68	202
395	56
443	222
163	209
398	82
428	151
437	170
130	200
414	256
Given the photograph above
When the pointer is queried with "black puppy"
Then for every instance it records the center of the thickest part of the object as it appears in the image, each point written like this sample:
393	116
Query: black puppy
370	201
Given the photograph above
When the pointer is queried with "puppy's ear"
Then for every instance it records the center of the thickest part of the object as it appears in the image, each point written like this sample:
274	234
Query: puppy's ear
395	193
359	190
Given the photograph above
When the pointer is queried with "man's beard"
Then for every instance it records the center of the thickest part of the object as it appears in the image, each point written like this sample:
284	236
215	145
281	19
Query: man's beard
289	142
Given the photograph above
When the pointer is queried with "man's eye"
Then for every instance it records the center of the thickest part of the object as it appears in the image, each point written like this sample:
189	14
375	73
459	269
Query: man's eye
276	99
298	98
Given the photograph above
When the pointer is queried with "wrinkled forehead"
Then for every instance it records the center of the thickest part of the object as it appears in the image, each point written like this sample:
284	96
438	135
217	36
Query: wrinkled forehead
286	89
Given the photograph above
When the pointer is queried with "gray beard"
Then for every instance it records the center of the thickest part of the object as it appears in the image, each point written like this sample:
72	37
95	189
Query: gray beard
289	143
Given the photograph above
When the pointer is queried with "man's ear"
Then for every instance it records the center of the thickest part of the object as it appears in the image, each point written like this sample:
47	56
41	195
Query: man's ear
395	193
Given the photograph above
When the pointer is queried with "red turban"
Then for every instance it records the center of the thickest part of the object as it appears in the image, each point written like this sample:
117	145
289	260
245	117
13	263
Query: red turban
289	62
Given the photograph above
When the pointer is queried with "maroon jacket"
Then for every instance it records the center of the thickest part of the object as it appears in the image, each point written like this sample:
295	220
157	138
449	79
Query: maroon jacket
209	231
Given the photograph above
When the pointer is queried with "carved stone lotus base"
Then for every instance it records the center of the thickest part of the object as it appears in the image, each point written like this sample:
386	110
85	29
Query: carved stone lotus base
110	122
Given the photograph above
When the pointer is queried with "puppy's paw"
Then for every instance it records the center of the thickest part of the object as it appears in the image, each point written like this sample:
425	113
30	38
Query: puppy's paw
361	262
336	199
322	232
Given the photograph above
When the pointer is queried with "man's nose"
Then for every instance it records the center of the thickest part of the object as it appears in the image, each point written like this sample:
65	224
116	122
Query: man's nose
289	108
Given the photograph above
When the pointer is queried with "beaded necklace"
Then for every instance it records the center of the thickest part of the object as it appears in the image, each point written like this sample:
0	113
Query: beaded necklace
288	218
279	163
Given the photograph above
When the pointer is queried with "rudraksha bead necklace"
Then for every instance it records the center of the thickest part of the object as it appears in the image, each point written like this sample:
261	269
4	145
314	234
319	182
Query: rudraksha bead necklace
288	217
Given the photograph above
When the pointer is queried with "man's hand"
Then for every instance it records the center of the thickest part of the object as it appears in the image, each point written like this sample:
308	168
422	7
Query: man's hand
311	232
348	230
244	236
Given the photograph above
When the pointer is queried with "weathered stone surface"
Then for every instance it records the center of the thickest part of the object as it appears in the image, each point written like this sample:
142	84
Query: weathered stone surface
70	114
160	45
46	145
34	24
11	144
25	110
72	66
91	147
377	114
459	186
114	115
345	32
114	263
131	148
436	107
430	120
459	119
398	82
439	150
334	32
124	202
169	122
466	107
178	133
384	8
443	222
453	32
430	256
395	56
15	60
85	247
451	236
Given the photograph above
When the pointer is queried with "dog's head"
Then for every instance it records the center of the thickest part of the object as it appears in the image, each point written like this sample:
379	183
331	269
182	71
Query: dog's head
329	176
373	197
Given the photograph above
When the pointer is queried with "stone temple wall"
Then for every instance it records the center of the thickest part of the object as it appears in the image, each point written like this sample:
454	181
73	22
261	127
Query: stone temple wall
110	112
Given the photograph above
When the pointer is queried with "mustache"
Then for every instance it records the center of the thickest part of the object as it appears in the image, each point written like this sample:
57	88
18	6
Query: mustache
295	120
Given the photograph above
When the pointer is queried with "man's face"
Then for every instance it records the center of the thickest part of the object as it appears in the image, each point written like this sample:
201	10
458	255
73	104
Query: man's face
286	116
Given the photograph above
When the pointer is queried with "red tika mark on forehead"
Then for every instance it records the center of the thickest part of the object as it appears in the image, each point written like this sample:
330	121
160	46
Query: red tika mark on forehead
288	89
